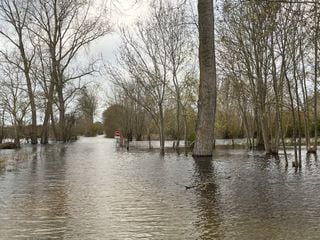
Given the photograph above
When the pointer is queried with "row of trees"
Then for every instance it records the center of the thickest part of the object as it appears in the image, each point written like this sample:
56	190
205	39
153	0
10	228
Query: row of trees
156	65
268	59
41	73
137	124
267	63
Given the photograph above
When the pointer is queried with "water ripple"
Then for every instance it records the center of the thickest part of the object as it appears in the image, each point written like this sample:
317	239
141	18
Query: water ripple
91	190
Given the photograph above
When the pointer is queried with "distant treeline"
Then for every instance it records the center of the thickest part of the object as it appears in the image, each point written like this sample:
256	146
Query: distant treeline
267	64
43	73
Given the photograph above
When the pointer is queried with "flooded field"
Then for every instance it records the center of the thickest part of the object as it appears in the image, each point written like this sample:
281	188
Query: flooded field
91	190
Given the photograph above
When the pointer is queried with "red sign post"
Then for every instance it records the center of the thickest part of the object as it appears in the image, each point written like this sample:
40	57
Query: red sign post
117	134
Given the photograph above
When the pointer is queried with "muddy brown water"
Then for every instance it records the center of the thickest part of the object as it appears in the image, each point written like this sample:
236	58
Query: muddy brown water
91	190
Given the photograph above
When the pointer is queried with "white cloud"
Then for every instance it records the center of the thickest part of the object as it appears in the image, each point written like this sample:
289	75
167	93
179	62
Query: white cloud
122	13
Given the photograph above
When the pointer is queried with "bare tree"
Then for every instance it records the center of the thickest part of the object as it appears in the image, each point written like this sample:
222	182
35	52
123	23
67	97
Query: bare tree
15	15
66	28
178	37
88	104
14	98
144	69
154	62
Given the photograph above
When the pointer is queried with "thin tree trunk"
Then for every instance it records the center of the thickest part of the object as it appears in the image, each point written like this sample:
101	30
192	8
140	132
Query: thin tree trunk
282	132
62	120
185	134
178	123
26	68
298	105
161	128
149	140
45	125
53	125
2	127
259	140
305	98
294	136
276	92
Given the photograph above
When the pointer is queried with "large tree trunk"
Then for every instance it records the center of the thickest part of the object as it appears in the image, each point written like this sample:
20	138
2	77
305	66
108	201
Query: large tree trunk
316	79
207	91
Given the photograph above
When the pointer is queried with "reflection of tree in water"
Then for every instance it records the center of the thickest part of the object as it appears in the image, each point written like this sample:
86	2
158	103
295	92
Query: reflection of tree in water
57	193
209	220
258	199
310	160
47	188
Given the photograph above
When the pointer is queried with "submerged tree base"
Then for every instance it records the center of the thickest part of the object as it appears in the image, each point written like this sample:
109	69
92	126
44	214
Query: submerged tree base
8	145
312	151
272	153
198	156
296	165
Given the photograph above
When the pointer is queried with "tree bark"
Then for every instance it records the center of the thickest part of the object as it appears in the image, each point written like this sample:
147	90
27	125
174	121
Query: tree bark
185	134
316	79
305	104
26	69
161	128
2	126
296	88
62	119
294	122
207	91
45	125
178	122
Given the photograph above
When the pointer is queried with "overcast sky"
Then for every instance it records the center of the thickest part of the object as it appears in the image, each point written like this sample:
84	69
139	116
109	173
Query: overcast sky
125	12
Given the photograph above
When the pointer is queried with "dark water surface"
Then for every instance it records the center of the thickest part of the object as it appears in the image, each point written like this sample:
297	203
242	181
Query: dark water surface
89	190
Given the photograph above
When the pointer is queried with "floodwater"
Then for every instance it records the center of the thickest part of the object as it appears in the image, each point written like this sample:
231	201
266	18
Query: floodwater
90	190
